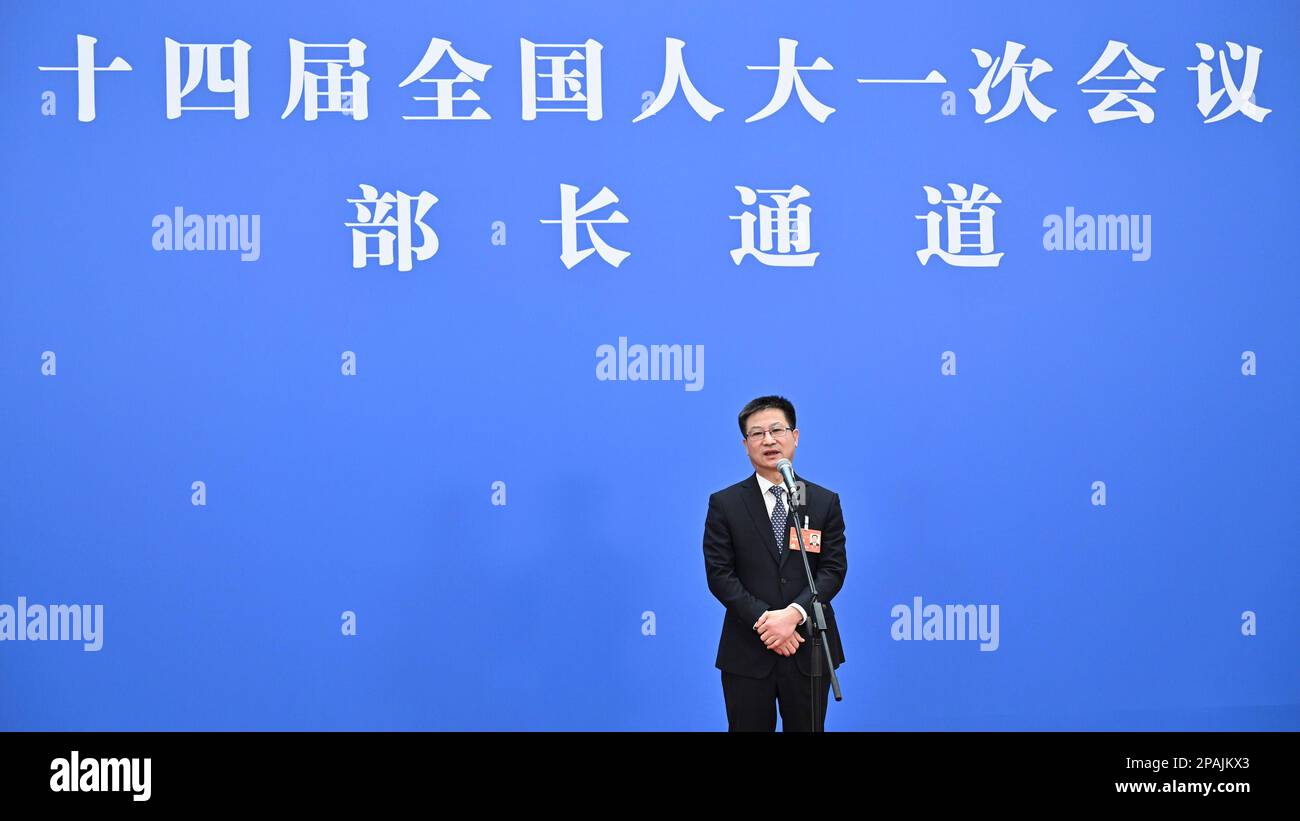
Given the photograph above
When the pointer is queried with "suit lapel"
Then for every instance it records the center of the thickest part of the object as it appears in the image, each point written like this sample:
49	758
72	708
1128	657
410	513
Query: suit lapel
793	519
757	508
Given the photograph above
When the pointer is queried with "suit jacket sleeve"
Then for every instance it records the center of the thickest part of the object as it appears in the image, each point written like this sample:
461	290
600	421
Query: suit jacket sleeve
720	566
834	562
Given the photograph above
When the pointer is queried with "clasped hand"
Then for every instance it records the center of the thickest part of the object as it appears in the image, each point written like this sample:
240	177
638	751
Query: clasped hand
778	630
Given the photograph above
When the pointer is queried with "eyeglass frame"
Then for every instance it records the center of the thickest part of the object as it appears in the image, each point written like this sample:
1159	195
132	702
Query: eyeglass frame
777	431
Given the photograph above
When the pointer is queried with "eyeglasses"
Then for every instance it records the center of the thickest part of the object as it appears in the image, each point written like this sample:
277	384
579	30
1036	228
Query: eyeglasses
777	431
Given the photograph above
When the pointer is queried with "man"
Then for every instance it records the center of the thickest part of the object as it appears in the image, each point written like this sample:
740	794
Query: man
763	653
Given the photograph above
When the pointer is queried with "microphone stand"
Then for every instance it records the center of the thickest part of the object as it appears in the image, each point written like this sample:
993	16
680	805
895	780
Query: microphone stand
816	622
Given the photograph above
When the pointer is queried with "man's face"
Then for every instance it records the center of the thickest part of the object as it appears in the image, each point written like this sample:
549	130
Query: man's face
766	450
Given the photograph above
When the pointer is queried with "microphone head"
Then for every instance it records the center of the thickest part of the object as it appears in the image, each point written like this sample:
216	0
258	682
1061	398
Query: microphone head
783	465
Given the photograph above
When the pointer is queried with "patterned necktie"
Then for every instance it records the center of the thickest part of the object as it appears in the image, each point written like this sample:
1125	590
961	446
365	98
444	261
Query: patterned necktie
778	517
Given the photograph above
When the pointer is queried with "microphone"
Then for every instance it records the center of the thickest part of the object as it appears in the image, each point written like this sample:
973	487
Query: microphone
788	475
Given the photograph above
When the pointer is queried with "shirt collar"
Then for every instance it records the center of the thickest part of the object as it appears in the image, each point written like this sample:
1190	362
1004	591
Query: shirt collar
764	486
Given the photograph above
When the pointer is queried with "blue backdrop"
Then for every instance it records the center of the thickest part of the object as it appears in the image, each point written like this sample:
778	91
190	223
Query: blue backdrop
581	603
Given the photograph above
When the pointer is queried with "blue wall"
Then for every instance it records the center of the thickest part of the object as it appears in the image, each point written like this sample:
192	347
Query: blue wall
373	493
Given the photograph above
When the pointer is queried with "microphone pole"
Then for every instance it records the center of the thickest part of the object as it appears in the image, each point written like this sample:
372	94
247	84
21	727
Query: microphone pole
817	619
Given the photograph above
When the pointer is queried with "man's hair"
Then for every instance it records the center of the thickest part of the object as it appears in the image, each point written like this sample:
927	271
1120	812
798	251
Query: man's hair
765	403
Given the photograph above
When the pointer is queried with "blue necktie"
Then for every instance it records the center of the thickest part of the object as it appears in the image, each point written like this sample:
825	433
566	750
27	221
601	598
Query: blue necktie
778	517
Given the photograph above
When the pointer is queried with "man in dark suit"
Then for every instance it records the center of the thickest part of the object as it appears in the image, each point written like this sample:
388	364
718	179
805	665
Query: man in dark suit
763	654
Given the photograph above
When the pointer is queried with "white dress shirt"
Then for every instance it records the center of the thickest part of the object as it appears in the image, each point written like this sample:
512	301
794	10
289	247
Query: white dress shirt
769	499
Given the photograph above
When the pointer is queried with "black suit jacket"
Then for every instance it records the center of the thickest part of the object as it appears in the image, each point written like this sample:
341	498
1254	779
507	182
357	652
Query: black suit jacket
740	559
